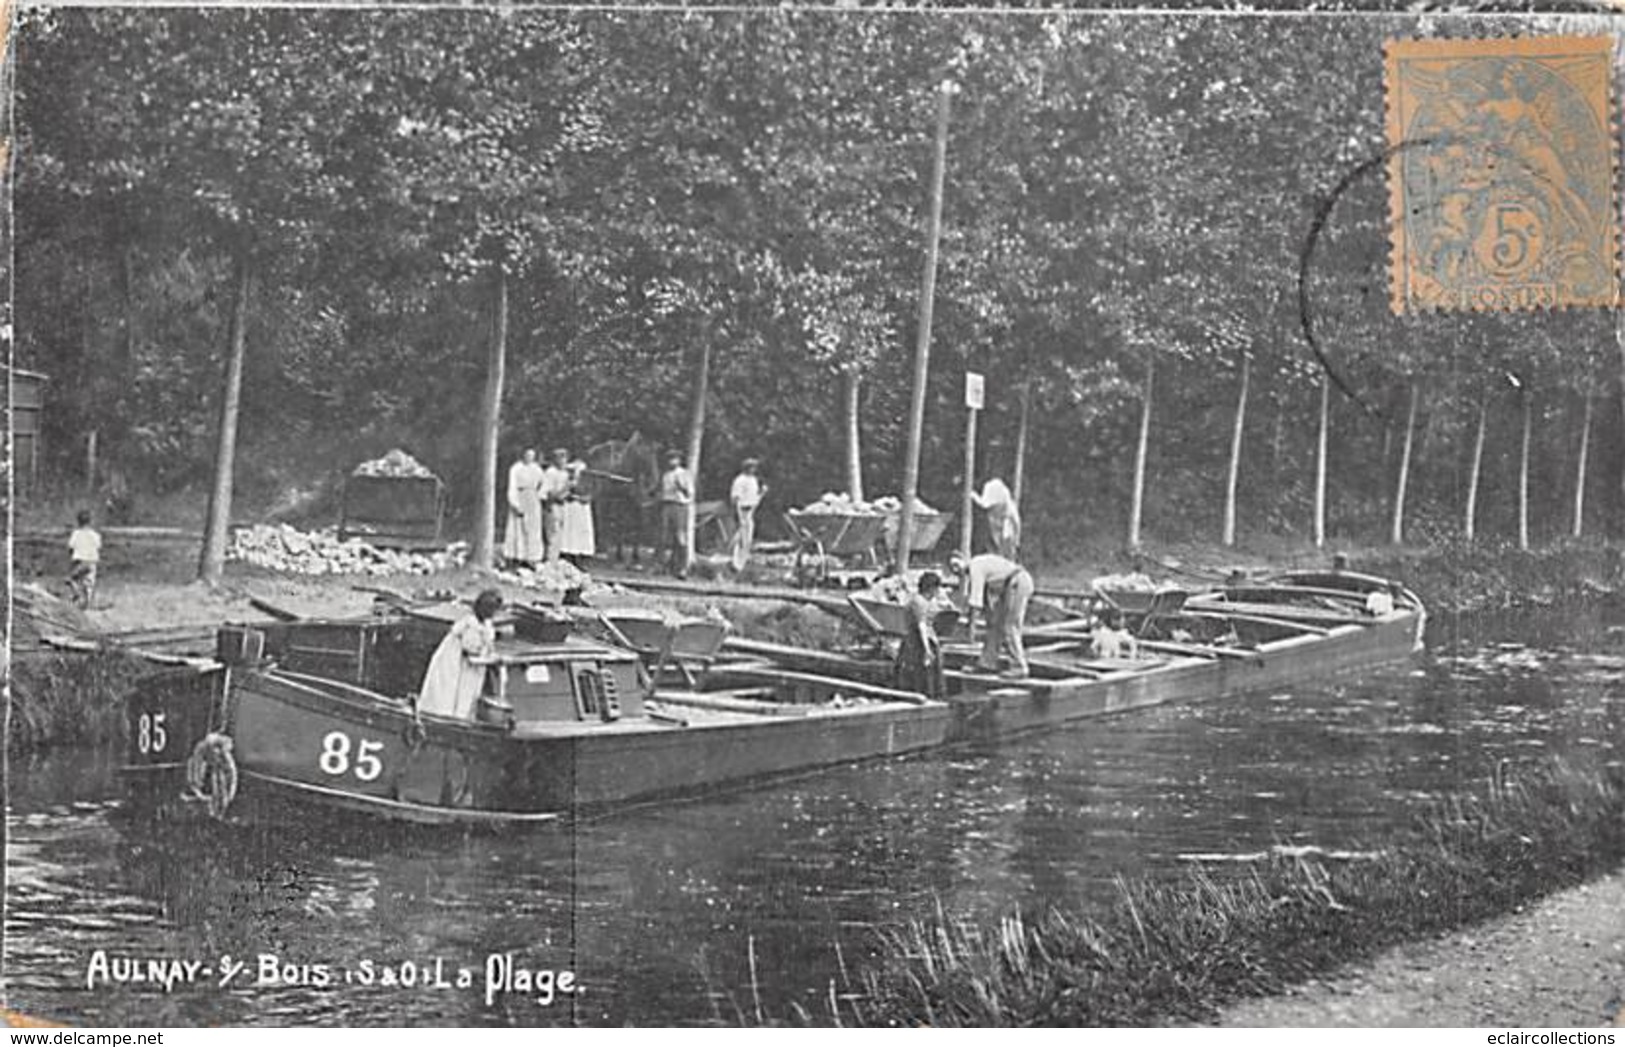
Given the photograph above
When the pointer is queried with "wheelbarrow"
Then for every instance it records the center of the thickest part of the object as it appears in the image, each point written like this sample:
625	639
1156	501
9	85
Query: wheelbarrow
1146	605
929	528
826	539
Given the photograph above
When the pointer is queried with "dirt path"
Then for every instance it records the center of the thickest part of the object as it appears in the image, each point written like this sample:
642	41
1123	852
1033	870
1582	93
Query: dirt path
126	605
1558	964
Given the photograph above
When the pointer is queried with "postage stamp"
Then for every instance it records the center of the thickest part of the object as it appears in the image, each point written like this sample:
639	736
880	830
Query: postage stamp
1501	177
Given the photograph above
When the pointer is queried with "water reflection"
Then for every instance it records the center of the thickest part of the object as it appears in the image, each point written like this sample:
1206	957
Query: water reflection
664	912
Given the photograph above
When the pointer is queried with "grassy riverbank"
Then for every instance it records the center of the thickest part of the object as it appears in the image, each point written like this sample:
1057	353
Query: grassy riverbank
1450	577
1169	953
1467	578
62	700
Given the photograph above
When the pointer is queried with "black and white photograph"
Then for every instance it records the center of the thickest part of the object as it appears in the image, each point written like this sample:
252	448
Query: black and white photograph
837	516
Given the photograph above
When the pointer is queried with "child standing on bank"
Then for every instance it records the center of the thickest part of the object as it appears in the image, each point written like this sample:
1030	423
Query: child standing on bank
85	546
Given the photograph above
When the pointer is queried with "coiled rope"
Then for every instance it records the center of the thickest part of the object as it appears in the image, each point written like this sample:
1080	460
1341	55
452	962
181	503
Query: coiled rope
415	734
211	773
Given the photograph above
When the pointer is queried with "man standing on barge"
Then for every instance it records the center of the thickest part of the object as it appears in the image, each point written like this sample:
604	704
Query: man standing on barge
1003	587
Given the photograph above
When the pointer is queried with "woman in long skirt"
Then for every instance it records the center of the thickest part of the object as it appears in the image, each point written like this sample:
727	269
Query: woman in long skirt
577	543
522	541
456	674
919	656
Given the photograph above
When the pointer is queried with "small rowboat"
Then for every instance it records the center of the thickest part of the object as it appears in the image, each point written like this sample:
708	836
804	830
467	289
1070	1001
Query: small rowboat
321	713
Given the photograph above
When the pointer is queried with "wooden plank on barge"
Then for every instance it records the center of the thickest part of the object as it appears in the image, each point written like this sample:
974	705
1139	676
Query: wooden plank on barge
1346	595
80	645
869	690
676	587
1258	619
806	656
1201	650
1286	612
731	702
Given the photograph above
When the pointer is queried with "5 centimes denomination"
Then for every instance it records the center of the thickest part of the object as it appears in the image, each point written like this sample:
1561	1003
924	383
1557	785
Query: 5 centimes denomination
1501	174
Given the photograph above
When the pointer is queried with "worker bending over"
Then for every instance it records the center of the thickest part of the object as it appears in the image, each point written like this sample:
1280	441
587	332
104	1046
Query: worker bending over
1002	587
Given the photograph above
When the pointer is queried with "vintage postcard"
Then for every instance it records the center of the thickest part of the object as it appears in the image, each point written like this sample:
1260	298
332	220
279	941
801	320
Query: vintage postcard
802	516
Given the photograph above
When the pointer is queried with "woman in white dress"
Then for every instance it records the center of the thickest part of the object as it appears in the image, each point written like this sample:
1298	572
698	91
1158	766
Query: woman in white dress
576	539
522	541
456	674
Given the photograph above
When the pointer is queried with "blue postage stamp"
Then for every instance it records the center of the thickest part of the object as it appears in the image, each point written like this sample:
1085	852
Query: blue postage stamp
1501	174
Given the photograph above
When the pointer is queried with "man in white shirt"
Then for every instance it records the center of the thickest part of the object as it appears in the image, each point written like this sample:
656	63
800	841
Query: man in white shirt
1003	519
745	495
1003	587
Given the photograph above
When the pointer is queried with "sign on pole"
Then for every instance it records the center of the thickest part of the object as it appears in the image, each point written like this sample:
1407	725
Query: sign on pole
973	390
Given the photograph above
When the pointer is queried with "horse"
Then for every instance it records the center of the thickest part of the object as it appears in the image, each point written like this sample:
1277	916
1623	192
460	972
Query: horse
623	478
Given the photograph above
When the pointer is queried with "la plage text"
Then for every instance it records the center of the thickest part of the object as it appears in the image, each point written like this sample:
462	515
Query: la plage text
499	976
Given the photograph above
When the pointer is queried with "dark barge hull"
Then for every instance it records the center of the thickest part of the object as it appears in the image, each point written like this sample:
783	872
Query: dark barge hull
1282	663
288	733
315	741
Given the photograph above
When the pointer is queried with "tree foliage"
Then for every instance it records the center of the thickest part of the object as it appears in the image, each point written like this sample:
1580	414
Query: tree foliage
1121	190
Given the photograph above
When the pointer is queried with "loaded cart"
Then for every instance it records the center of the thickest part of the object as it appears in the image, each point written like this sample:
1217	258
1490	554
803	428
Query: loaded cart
393	502
929	527
825	540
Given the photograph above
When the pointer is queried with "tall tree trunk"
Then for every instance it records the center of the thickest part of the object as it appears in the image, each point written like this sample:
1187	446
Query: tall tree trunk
922	338
118	429
1523	472
91	439
1580	469
496	364
696	429
1277	440
1320	458
1137	506
126	270
216	531
1396	532
1475	470
1019	482
1235	454
124	373
854	449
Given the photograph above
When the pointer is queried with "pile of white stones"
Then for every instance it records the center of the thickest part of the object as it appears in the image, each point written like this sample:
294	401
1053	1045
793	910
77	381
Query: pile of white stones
559	576
279	547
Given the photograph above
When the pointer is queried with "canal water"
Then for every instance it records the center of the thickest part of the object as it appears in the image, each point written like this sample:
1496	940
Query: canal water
767	895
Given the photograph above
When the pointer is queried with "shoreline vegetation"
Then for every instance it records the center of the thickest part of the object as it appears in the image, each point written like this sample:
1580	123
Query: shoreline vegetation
69	700
1179	952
